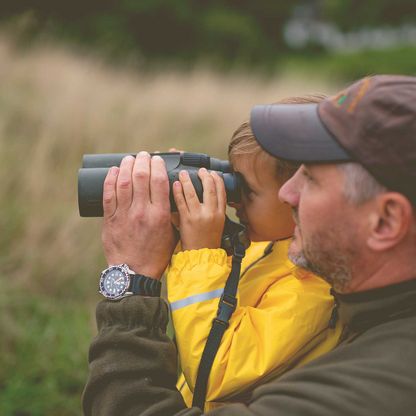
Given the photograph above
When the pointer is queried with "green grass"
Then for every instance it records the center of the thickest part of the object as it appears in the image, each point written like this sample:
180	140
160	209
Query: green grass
345	67
43	361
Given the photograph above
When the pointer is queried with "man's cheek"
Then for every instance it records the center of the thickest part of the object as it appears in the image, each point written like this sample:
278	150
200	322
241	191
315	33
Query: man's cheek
296	241
296	233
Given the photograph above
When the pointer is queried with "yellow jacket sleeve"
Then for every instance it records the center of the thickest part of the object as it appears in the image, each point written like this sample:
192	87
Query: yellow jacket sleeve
279	317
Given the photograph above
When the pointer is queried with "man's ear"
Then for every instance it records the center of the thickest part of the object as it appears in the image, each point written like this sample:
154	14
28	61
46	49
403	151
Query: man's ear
390	222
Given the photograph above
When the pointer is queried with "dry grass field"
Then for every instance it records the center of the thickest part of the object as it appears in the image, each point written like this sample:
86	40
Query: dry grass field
56	105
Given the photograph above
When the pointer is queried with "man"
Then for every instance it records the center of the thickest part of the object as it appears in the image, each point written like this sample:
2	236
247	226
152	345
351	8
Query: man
353	201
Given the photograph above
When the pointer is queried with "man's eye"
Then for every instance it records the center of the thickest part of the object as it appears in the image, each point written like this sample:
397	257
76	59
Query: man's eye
307	175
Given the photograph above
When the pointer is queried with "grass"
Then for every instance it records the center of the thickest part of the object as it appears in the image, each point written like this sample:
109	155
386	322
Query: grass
341	67
56	105
43	357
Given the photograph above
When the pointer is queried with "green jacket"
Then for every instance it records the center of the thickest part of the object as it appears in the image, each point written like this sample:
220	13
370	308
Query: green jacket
133	365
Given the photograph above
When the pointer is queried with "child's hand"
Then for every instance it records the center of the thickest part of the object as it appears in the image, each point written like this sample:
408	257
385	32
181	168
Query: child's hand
200	224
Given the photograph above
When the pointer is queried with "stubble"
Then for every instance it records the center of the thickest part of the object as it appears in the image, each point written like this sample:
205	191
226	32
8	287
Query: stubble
327	254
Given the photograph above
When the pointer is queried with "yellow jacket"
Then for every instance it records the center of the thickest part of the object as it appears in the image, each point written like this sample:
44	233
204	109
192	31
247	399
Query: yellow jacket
281	320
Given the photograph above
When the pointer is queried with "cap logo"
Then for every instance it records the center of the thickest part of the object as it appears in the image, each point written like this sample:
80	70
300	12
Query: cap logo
360	94
341	99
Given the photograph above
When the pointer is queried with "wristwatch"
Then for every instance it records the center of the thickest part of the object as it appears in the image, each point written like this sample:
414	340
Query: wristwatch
119	281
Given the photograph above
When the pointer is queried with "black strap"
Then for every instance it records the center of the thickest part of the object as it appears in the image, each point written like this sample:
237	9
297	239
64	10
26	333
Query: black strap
220	323
145	286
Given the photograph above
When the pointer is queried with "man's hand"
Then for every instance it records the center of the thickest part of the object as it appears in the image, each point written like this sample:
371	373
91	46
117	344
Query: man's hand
200	224
137	229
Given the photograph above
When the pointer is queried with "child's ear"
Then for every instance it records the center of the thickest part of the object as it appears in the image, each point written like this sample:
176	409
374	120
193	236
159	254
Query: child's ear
390	221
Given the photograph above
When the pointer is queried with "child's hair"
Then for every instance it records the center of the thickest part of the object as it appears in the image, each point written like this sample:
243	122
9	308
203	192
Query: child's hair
243	141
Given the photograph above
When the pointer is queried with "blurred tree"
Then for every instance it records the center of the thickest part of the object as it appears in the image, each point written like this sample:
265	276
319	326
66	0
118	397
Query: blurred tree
353	14
228	30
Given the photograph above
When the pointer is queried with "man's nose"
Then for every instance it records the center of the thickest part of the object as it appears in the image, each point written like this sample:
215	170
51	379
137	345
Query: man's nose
289	192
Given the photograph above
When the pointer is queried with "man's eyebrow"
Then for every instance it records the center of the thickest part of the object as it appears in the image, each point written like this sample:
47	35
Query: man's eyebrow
306	169
310	167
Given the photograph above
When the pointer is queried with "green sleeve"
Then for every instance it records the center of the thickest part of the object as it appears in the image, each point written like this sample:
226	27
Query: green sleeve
133	371
132	362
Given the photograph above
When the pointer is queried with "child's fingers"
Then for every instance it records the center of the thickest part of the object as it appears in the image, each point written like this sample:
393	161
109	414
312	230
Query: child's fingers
189	192
179	199
221	194
209	189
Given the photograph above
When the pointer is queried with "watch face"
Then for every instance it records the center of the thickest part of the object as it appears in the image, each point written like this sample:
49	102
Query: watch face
114	282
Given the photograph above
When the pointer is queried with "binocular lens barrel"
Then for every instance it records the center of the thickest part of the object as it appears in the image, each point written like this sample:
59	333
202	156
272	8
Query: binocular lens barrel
90	191
95	168
172	159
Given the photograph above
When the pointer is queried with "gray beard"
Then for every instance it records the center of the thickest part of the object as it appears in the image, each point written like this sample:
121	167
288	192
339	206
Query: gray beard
331	262
333	267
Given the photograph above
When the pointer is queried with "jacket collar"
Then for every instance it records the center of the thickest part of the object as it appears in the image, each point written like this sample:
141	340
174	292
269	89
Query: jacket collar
363	310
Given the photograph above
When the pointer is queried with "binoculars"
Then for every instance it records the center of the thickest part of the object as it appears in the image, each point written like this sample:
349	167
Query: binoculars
95	167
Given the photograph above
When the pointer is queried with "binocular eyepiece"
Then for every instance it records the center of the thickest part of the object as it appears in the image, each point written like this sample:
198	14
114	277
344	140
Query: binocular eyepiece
95	167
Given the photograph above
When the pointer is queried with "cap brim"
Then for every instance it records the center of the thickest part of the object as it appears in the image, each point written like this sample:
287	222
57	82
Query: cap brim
295	132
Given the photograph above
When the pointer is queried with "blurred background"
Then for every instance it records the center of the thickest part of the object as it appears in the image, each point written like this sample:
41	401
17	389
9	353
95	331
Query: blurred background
97	76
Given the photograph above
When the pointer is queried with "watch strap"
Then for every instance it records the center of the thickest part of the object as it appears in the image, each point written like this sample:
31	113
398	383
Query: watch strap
144	285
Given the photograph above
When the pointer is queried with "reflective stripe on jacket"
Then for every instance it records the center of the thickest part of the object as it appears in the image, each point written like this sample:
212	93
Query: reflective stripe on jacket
281	320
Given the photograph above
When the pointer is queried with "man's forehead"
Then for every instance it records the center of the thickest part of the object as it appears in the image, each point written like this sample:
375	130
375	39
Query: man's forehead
325	170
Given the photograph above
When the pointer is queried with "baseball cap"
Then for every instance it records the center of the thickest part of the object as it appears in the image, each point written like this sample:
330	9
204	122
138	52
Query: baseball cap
372	122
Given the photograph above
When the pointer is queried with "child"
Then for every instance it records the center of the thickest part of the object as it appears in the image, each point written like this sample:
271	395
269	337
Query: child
283	315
